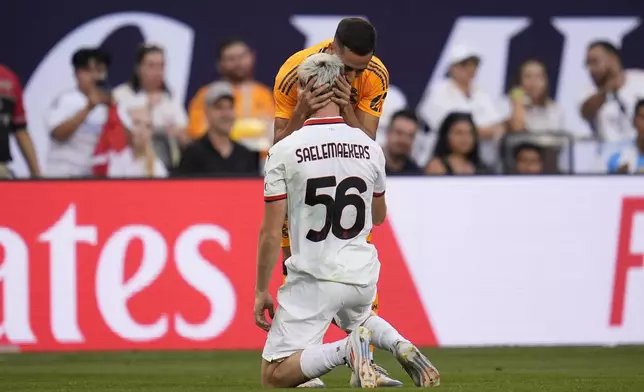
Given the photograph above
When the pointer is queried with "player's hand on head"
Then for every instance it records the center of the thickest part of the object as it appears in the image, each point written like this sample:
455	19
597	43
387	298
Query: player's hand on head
311	100
342	92
263	303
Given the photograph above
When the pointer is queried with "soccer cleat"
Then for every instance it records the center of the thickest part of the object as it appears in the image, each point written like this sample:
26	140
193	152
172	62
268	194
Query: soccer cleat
421	371
313	383
382	379
358	358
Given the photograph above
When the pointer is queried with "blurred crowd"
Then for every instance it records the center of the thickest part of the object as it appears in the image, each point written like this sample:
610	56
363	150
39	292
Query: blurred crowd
139	129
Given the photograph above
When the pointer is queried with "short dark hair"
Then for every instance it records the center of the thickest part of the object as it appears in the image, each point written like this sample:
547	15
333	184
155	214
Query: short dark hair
358	35
404	113
526	146
607	46
228	42
83	56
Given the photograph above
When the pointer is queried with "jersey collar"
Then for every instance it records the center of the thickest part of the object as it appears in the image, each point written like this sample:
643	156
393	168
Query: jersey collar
324	121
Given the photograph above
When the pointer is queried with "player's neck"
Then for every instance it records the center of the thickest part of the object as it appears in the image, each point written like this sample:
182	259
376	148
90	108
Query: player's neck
330	110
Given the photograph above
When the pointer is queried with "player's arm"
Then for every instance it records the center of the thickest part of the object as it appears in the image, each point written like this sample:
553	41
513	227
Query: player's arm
378	209
295	103
378	203
367	115
270	233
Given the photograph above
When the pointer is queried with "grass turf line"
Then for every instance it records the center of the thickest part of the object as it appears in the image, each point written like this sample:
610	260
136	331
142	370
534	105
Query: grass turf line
480	369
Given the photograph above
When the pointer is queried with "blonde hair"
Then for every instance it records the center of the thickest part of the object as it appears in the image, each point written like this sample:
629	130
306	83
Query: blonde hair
326	67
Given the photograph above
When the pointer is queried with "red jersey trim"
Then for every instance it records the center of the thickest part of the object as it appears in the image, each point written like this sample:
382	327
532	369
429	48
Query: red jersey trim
274	198
324	121
378	194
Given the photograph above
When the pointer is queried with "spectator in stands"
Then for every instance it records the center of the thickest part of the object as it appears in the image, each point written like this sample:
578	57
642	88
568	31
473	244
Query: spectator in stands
13	120
528	159
531	107
631	159
77	116
456	151
169	118
254	101
459	93
608	105
215	153
138	159
400	140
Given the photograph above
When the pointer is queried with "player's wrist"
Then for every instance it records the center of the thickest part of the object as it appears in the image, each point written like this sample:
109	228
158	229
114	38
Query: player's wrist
300	114
259	290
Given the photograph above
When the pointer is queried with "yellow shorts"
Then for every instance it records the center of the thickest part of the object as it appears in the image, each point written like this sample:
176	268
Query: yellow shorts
286	242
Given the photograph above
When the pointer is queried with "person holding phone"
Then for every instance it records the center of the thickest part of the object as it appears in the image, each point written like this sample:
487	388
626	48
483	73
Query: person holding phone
77	116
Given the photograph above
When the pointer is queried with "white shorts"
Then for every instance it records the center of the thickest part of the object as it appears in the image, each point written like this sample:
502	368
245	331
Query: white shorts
306	308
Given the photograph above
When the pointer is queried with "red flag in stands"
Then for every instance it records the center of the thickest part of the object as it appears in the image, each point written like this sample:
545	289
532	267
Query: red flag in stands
113	138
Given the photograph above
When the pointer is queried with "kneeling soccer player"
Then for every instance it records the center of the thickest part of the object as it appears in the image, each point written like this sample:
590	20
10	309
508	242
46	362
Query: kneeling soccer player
333	270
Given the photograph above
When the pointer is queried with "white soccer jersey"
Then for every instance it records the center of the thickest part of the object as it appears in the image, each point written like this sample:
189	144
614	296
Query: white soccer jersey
329	172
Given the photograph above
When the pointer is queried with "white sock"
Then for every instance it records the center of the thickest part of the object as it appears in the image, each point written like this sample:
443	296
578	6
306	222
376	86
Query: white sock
383	335
318	360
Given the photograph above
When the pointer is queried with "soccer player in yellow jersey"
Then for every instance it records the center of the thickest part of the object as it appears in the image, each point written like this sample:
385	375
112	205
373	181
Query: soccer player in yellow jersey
360	94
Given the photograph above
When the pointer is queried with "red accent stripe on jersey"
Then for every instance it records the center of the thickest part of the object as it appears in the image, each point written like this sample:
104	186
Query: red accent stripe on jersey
275	198
378	194
324	121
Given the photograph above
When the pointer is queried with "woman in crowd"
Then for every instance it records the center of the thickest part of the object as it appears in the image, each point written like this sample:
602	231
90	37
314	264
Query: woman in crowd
531	107
138	159
456	151
169	118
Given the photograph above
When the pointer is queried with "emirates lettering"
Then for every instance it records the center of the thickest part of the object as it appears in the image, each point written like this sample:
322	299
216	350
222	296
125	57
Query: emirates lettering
112	287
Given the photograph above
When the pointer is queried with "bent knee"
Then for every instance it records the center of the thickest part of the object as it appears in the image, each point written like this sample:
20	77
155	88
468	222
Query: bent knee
273	379
273	376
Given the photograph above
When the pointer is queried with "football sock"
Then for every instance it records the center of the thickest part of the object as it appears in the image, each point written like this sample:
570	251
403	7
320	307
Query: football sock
383	335
318	360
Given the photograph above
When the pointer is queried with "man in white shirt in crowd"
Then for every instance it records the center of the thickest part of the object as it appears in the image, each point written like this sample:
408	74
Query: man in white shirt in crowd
138	159
459	93
608	105
332	273
77	117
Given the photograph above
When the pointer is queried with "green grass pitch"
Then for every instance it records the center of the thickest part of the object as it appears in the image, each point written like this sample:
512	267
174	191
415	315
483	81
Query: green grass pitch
475	370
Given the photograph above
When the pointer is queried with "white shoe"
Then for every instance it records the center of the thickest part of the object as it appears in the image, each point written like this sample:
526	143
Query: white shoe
358	358
421	371
313	383
382	379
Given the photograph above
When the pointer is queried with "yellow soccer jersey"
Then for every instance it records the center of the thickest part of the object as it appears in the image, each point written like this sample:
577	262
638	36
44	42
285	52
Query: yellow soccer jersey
368	91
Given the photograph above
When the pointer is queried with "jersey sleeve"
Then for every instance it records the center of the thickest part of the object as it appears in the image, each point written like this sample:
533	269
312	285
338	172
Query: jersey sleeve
376	87
381	179
274	175
285	90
